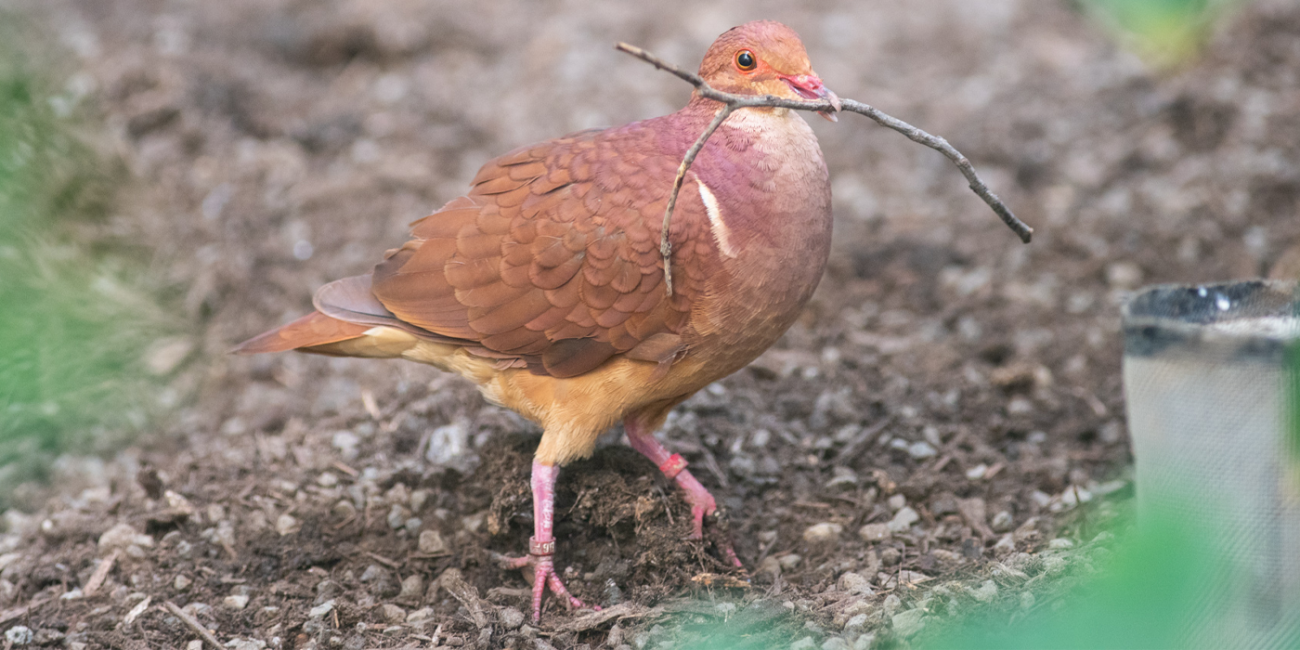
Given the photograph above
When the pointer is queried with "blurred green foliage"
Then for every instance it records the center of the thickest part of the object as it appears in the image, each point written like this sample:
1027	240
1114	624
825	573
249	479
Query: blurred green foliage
1166	32
1293	400
1148	597
73	324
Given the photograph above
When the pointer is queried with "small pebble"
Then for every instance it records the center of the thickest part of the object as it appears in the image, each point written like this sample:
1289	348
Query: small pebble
321	609
512	618
346	442
1123	275
327	479
986	592
1060	543
197	609
286	524
842	477
397	516
1002	522
1006	544
789	561
874	532
412	588
418	499
855	583
391	613
19	635
1020	406
344	510
326	589
890	556
236	602
858	622
977	472
374	573
615	637
897	501
903	520
921	450
822	533
908	623
123	536
473	522
181	583
398	494
420	615
1053	564
431	543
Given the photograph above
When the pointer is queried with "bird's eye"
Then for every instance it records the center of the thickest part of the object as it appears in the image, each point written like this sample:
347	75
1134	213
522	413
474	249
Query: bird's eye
745	60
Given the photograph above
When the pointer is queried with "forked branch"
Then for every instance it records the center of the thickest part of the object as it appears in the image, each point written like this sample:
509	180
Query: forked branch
732	102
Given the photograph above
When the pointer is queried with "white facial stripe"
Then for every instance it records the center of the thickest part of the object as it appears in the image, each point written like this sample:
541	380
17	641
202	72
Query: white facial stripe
720	232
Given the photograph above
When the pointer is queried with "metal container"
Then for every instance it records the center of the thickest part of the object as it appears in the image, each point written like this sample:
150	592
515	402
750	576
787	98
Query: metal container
1210	382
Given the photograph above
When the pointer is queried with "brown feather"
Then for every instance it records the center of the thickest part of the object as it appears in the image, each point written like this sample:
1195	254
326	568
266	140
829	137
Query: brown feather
310	330
573	357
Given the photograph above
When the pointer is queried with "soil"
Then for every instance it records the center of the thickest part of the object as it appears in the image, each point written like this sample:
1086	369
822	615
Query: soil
942	368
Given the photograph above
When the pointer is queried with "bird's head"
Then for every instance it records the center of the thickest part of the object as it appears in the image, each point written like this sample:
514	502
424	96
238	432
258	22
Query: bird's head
764	57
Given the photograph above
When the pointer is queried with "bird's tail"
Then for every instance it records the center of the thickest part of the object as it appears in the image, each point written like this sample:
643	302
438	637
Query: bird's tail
310	331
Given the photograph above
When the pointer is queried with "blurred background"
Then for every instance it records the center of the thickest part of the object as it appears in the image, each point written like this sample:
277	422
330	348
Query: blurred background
176	176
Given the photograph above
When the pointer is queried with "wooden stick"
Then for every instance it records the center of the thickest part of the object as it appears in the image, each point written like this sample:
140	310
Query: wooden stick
101	573
666	247
732	102
194	624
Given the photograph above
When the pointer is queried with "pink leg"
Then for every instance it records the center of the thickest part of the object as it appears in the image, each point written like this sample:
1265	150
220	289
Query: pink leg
541	546
642	439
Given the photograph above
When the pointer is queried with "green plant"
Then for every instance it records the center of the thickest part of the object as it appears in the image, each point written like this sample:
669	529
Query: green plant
1164	31
74	324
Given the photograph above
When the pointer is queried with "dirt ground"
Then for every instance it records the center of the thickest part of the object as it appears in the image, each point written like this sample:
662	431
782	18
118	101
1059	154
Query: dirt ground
914	447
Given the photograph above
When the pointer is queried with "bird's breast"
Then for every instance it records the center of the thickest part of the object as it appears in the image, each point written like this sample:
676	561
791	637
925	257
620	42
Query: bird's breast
767	198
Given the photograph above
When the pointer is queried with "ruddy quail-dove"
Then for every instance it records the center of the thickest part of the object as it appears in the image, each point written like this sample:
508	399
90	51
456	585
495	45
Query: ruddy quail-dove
544	285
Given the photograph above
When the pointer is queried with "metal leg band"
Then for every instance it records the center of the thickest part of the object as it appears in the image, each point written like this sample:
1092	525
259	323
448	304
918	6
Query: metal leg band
673	466
540	548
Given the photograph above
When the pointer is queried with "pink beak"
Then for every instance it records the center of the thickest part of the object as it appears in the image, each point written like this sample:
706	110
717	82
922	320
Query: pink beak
810	86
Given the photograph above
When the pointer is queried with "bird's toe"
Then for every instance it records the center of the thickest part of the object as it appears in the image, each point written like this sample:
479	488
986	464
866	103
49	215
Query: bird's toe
543	575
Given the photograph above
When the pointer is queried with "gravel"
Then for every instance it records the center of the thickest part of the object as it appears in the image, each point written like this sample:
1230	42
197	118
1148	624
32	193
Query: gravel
903	520
823	533
908	623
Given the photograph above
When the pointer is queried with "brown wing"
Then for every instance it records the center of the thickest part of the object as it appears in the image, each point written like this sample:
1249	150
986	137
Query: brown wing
553	257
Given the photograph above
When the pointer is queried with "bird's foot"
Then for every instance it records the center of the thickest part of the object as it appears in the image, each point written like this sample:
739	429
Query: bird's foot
703	505
540	558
